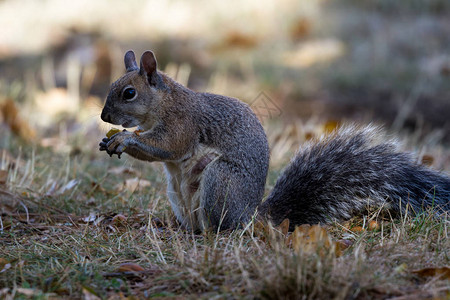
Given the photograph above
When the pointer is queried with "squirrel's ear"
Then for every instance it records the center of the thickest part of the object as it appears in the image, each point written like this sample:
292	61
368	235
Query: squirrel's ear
130	61
148	65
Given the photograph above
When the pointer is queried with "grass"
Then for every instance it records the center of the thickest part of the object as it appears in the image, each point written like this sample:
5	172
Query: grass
59	240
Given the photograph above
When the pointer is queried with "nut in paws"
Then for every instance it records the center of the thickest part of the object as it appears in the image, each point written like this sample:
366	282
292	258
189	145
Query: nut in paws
116	144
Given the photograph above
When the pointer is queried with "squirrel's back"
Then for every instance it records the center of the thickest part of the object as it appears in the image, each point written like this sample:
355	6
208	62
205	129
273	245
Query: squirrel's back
341	175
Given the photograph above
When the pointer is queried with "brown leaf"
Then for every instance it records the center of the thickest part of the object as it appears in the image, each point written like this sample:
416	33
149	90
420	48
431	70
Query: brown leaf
119	219
130	267
357	229
300	29
330	126
443	272
261	230
340	246
284	227
427	160
3	176
374	225
238	39
344	244
318	234
11	117
309	238
309	135
133	184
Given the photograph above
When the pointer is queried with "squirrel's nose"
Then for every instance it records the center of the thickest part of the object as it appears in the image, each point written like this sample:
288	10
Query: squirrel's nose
106	117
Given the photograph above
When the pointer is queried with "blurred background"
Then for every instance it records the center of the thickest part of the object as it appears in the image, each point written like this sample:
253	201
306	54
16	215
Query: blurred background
298	63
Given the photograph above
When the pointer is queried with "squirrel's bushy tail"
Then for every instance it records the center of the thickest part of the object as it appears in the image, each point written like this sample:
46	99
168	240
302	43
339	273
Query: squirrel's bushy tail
344	173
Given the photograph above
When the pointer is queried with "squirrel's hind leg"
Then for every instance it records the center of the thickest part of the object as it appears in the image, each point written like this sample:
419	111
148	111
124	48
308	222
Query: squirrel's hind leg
229	198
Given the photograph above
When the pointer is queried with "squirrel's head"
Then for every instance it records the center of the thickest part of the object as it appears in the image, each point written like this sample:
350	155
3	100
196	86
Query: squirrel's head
134	98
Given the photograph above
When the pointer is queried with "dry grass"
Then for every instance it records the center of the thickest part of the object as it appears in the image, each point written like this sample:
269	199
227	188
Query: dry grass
67	228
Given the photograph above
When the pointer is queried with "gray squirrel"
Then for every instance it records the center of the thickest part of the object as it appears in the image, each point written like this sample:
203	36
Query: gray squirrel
216	157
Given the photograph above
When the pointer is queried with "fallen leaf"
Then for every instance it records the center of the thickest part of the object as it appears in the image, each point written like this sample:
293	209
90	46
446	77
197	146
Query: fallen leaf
3	176
374	225
236	39
302	229
130	267
119	219
133	184
443	272
427	160
357	229
300	29
260	229
344	244
309	135
284	227
330	126
11	117
309	238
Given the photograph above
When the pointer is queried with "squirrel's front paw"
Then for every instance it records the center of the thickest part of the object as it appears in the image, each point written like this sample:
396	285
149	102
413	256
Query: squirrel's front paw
115	144
104	147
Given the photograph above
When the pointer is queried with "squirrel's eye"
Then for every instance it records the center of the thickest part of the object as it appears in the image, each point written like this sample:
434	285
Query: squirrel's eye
129	93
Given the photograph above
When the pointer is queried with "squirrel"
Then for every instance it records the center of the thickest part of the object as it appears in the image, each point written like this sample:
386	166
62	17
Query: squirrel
216	156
